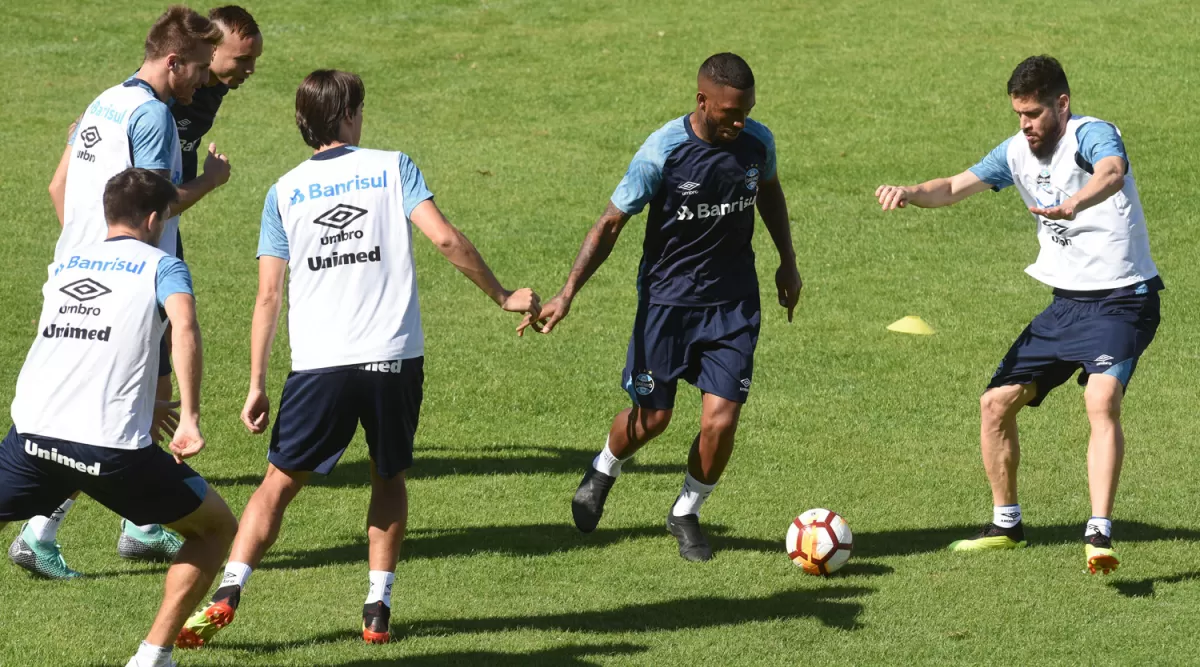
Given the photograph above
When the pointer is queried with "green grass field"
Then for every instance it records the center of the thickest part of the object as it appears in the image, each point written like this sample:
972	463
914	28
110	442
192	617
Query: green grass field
523	116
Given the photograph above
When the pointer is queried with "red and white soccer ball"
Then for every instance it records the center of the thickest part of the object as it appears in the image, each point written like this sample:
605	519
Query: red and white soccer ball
819	541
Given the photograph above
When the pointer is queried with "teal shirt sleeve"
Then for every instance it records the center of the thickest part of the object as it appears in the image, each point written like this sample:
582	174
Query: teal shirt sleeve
272	240
993	169
152	136
172	277
760	132
412	185
645	172
1099	140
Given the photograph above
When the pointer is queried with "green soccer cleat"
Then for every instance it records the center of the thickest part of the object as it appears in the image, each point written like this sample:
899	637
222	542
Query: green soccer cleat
158	545
993	537
1101	557
43	559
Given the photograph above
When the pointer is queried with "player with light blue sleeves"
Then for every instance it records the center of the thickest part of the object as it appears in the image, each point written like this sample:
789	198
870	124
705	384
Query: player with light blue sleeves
1074	176
338	229
105	307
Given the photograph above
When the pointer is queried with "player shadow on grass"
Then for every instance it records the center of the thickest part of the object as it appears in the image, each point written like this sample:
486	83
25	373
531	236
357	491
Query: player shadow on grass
833	606
578	655
434	462
542	539
1144	588
917	540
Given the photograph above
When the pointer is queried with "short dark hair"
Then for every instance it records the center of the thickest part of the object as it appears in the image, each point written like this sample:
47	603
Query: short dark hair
1039	77
178	31
235	19
132	195
323	100
727	69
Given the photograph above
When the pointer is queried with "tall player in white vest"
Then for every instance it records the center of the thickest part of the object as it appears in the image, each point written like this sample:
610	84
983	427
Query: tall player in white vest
129	125
106	306
338	227
1074	177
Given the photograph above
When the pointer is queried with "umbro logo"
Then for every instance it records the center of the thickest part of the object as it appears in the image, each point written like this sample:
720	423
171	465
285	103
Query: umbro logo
84	290
90	136
745	385
688	188
183	123
339	216
1103	360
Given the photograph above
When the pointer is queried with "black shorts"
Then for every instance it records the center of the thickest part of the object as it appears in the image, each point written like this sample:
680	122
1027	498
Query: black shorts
320	411
142	485
1104	332
711	347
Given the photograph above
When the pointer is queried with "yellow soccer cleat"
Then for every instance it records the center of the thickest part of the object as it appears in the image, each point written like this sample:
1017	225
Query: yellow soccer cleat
992	537
1101	557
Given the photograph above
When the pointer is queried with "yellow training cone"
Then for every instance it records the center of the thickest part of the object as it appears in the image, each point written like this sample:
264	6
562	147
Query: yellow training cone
911	325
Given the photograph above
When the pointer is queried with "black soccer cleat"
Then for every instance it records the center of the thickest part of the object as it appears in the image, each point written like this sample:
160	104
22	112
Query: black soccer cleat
588	505
376	623
693	545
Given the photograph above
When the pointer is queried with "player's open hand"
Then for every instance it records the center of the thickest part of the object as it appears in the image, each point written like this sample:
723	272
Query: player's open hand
165	421
256	414
1064	211
216	164
552	311
187	441
788	282
892	196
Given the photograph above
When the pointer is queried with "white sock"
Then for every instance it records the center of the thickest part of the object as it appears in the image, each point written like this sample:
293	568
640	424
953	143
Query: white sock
607	463
236	574
691	497
149	655
1098	524
45	528
149	528
381	587
1006	516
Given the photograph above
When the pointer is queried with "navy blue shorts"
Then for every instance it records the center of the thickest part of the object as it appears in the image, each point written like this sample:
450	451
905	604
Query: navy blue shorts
1099	332
320	411
711	347
142	485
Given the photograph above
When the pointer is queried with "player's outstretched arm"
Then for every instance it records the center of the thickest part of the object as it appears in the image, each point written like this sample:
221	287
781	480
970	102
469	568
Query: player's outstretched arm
772	206
456	247
58	183
186	353
256	413
1108	177
931	194
216	174
596	248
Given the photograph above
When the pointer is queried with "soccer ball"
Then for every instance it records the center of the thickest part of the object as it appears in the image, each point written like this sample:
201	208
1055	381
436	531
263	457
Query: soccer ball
819	541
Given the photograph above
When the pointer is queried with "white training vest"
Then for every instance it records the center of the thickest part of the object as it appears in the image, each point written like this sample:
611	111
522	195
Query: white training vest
91	373
352	293
101	151
1105	246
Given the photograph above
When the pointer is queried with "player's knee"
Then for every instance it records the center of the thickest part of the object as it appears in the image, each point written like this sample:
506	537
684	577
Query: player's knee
1103	400
1000	403
718	425
654	422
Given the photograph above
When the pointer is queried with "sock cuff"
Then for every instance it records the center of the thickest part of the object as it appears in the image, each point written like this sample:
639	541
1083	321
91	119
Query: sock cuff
692	483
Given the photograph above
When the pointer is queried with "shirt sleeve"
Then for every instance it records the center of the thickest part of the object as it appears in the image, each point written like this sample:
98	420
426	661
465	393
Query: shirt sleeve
173	277
412	185
1099	140
993	169
272	240
641	179
151	136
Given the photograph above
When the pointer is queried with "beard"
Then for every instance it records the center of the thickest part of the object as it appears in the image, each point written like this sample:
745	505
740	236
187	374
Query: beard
1049	141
